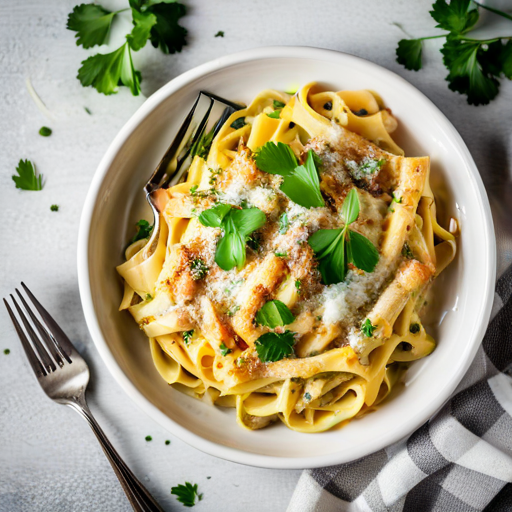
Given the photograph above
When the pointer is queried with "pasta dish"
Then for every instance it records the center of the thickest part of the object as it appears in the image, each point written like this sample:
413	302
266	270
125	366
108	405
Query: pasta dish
292	266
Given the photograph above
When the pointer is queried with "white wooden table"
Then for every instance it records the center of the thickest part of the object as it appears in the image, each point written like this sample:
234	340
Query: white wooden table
49	459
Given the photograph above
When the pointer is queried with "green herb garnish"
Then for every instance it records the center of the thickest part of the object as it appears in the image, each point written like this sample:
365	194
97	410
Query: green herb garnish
144	229
45	131
148	297
301	182
27	178
187	336
474	65
278	104
275	115
407	252
148	438
236	226
186	494
202	147
238	123
274	347
167	442
54	207
414	328
336	248
220	33
224	350
274	313
298	285
153	20
283	254
367	328
364	169
198	269
7	351
283	223
88	111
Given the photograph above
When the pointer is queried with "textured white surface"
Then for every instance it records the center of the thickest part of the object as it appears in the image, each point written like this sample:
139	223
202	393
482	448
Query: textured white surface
49	460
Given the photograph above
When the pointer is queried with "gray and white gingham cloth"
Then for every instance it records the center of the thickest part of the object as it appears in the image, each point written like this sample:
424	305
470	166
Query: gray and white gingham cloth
459	461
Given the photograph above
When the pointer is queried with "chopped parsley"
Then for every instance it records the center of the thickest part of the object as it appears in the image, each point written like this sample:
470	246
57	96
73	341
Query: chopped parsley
307	397
167	442
232	311
148	438
336	248
238	123
274	347
88	111
278	104
236	226
144	229
414	328
407	252
274	313
364	169
301	182
198	269
224	350
275	115
186	494
367	328
7	351
220	33
54	207
283	254
27	178
148	297
283	223
187	336
45	131
298	285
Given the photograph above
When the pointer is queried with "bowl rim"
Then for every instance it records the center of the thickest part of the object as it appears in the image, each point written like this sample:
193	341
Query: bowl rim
234	454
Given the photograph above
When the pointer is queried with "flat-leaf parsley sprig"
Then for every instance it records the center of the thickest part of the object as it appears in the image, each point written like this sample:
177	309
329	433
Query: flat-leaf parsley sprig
301	182
186	494
27	178
154	20
236	227
474	65
336	248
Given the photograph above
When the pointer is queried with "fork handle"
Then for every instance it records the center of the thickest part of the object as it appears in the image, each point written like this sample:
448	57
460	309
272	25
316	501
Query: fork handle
138	496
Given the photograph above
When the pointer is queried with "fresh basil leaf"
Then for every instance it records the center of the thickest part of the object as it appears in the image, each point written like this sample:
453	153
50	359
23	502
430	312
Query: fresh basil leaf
303	186
274	347
274	313
230	251
276	159
363	254
333	267
350	208
278	104
213	217
248	220
322	241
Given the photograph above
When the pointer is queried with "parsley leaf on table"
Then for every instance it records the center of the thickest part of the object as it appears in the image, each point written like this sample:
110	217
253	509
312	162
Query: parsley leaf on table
144	229
143	23
367	328
274	313
27	178
106	71
336	248
301	182
474	65
167	34
455	17
186	494
274	347
236	225
91	23
408	53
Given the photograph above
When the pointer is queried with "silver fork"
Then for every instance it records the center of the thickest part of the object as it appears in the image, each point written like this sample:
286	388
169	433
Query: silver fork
204	121
63	374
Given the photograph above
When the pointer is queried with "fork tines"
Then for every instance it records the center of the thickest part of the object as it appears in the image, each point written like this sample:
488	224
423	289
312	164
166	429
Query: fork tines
46	350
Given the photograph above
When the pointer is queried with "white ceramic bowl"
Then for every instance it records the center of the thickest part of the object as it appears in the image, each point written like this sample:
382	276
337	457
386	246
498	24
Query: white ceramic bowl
463	293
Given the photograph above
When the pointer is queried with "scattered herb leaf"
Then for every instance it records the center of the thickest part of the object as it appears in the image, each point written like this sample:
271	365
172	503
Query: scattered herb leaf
198	269
275	115
220	33
54	207
186	494
45	131
283	223
167	442
7	351
224	350
278	104
238	123
144	229
27	178
187	336
149	438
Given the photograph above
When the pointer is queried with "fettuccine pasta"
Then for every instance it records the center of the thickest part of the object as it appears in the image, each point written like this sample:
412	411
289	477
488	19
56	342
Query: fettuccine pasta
266	319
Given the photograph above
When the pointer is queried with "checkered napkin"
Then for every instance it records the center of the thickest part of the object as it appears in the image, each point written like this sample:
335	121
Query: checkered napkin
460	461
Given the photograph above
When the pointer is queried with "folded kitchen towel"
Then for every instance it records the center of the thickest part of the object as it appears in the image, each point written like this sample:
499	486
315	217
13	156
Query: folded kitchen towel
460	460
